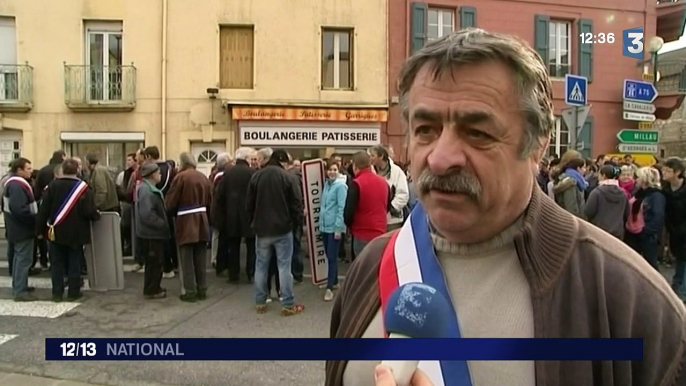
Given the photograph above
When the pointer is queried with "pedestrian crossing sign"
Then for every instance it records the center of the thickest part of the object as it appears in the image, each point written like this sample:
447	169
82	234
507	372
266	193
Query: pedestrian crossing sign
576	88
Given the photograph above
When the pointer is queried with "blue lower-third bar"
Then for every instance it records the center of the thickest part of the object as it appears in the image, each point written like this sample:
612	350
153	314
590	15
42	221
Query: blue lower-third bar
285	349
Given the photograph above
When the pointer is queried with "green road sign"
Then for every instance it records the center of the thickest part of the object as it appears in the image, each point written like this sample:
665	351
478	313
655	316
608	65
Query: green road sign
638	136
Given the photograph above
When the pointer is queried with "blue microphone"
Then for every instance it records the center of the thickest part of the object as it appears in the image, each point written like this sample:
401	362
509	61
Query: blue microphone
414	310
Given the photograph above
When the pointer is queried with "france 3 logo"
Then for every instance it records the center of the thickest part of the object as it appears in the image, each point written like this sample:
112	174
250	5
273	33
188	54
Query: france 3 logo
632	43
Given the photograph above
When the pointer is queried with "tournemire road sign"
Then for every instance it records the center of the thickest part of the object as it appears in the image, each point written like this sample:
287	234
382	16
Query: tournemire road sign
638	136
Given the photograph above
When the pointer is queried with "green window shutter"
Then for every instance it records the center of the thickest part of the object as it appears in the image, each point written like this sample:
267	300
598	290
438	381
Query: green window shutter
585	50
541	35
467	17
586	138
418	26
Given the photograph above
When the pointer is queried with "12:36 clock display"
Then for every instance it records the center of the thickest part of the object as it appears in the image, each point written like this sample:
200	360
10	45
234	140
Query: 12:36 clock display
601	38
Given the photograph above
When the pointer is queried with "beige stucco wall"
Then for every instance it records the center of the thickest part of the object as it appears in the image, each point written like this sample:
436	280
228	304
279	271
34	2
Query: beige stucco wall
287	63
50	33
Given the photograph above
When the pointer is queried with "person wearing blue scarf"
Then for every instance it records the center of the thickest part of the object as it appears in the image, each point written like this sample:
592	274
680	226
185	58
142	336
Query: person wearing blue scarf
570	187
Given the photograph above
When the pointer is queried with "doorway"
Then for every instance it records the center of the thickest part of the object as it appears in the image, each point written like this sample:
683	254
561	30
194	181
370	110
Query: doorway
206	155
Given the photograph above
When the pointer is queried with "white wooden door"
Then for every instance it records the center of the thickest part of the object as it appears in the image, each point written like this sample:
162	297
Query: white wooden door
206	155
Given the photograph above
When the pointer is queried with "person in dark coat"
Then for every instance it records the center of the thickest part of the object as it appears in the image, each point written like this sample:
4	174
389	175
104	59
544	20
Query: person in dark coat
168	172
275	208
20	208
189	199
297	263
47	173
152	228
219	245
64	219
231	217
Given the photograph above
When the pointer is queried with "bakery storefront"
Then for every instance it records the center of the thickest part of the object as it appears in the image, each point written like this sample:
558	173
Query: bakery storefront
309	133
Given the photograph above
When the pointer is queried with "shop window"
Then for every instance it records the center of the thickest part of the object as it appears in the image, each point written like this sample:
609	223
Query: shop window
110	154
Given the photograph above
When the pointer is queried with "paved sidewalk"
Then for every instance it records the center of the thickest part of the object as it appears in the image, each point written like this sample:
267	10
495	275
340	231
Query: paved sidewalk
29	380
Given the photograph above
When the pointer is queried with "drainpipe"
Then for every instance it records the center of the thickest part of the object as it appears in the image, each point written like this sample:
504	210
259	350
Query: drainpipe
164	78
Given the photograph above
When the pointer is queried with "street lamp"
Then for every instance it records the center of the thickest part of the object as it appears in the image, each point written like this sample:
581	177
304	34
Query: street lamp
654	45
212	93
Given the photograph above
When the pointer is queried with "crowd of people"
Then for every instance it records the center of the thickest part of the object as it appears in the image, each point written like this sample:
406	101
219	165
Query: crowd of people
645	206
171	214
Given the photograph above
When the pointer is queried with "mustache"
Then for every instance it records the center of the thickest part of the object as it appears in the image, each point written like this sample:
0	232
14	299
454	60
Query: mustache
455	182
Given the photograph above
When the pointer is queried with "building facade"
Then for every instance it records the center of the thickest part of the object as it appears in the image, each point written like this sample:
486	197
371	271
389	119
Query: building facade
553	28
206	77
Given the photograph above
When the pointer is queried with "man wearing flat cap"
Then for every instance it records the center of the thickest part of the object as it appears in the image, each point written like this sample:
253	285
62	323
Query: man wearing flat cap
152	228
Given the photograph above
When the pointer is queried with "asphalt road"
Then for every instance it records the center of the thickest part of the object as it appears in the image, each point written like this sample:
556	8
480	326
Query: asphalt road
228	312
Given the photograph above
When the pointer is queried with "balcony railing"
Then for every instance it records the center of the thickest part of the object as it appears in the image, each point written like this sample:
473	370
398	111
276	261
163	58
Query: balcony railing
91	88
671	76
16	87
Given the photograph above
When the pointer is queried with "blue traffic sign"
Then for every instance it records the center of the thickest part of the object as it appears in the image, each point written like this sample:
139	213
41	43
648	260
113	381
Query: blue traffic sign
576	88
639	91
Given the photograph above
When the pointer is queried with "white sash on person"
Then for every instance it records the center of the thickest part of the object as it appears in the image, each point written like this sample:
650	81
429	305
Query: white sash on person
217	177
33	206
185	211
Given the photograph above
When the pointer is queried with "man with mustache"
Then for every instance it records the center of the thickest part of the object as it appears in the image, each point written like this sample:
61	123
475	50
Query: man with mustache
512	262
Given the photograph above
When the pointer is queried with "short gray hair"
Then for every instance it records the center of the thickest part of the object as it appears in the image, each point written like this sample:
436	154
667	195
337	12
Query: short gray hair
223	159
265	153
187	160
474	46
244	152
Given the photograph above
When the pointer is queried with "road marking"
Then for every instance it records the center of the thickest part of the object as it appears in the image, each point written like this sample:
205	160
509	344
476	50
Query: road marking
4	338
37	282
39	309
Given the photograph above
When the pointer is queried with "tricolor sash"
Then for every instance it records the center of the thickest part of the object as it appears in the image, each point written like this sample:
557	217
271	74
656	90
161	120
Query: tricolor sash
33	206
217	177
66	207
410	257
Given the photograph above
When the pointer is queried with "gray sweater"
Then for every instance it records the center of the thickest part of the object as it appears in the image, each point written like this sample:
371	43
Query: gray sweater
608	209
151	214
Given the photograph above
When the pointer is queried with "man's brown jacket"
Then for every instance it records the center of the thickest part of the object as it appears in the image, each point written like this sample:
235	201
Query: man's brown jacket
584	284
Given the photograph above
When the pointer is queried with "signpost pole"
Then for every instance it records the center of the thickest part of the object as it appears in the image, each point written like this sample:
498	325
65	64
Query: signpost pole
573	130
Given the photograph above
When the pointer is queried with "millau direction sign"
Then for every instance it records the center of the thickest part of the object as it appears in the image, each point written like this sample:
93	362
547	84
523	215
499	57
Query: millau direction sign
638	136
